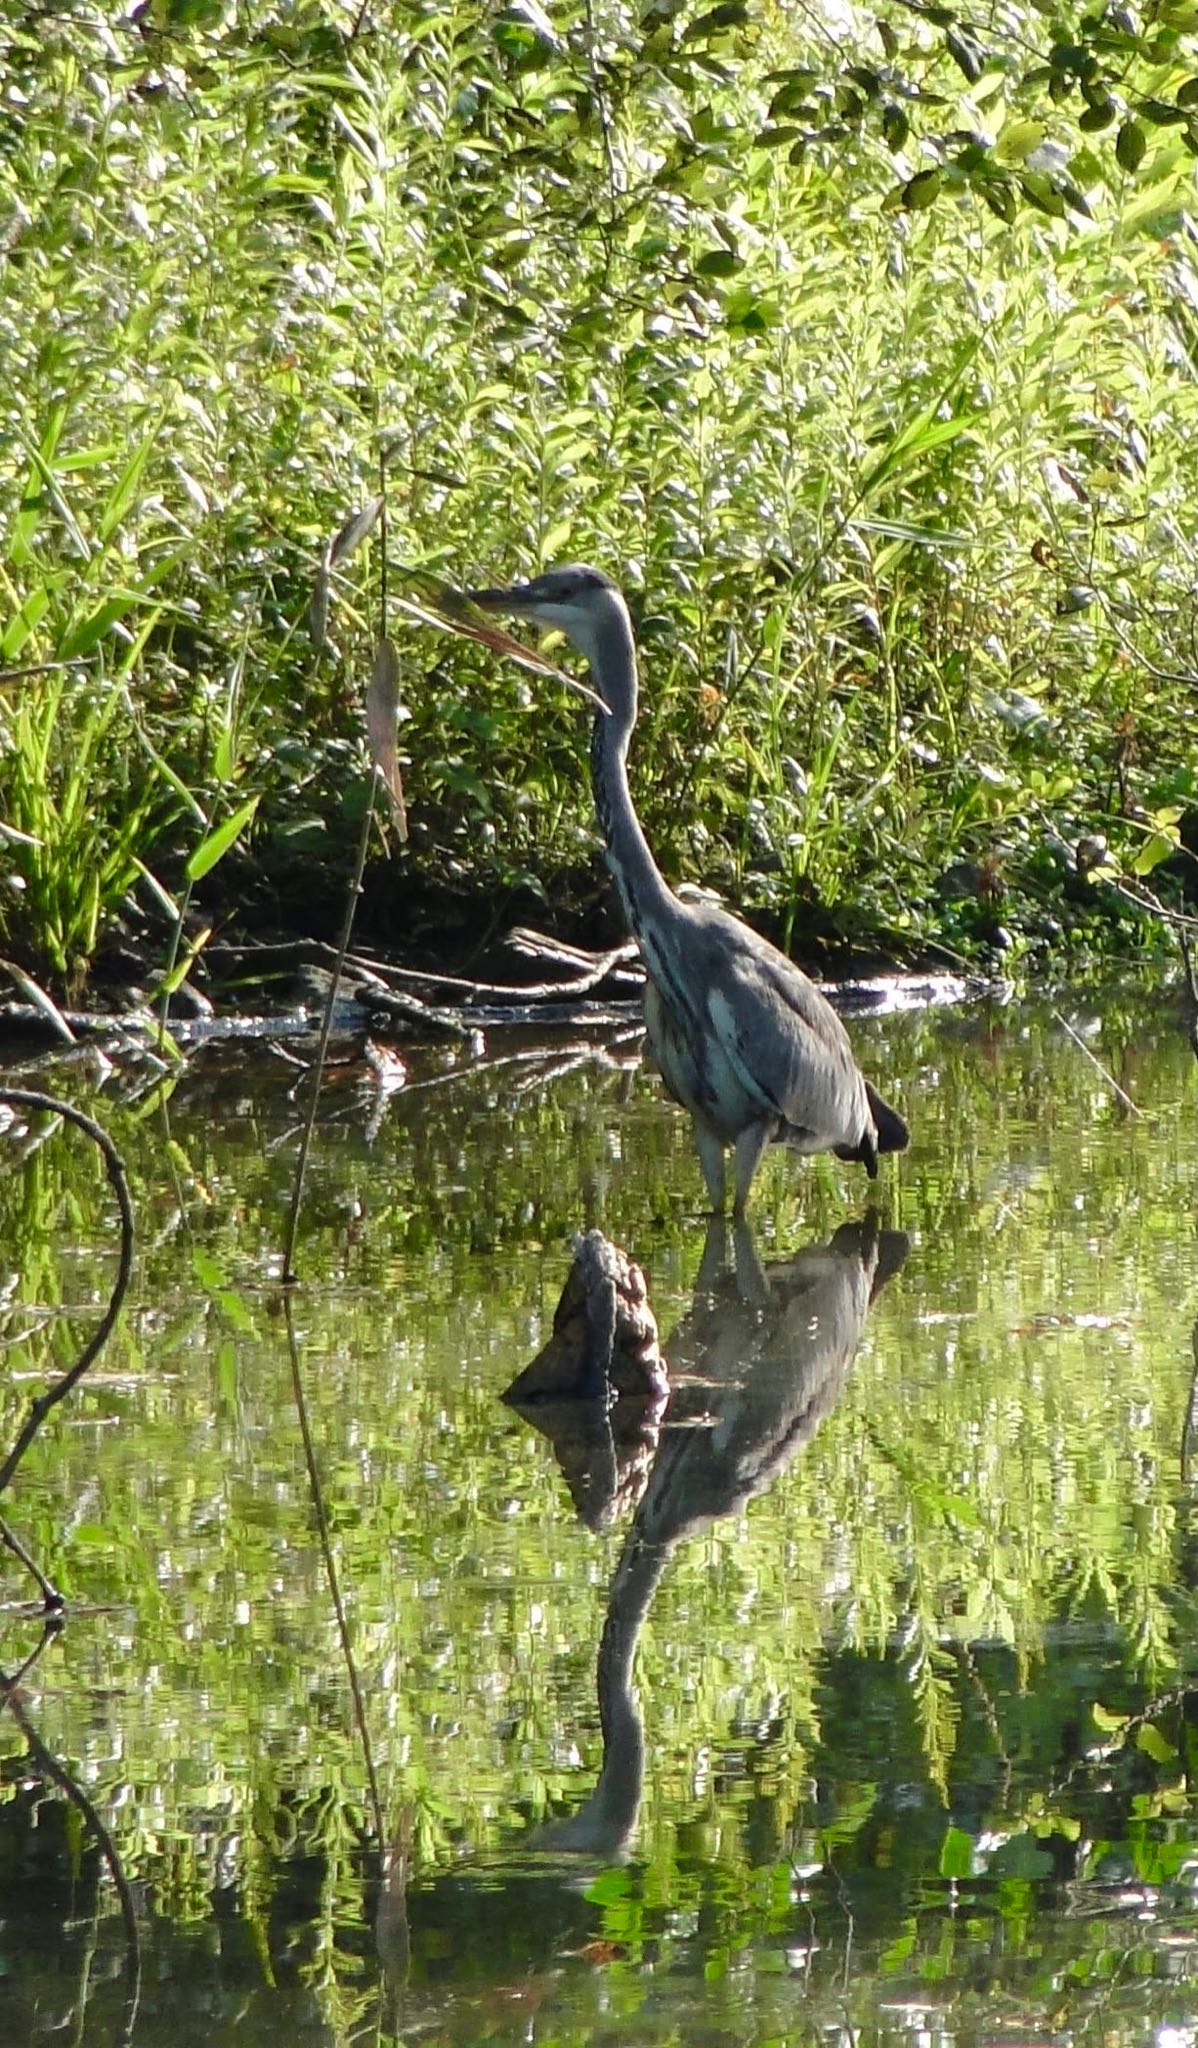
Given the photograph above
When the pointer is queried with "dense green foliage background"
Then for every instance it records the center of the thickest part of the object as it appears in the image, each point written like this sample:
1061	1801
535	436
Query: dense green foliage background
858	342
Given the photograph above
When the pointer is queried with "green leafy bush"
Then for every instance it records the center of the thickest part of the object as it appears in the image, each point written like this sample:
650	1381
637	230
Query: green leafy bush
863	357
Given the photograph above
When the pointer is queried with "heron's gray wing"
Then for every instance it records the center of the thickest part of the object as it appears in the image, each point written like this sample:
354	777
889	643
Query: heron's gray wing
783	1040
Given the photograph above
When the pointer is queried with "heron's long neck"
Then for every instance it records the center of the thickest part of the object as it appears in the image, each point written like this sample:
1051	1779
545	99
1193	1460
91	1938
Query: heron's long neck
603	1826
641	883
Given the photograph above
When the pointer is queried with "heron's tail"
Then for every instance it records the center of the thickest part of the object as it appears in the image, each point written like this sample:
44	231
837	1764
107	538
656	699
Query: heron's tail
893	1135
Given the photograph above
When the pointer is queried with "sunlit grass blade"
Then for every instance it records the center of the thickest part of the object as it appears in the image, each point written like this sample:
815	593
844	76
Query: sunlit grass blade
218	842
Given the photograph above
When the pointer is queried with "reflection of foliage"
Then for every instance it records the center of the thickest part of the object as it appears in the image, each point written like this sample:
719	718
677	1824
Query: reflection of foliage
874	1697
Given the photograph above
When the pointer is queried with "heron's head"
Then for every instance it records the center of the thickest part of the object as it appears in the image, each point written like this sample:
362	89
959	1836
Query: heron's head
582	603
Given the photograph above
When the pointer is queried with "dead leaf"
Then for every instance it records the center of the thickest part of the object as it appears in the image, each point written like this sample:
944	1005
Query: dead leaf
439	604
318	609
352	532
600	1952
382	717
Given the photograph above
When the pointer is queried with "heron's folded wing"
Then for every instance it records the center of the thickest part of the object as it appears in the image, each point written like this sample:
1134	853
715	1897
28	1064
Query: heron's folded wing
788	1049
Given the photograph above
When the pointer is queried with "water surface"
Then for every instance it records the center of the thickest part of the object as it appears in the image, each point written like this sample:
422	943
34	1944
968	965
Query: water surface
895	1659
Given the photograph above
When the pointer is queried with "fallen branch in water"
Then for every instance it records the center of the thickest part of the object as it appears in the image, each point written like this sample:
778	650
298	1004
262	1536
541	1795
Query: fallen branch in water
586	971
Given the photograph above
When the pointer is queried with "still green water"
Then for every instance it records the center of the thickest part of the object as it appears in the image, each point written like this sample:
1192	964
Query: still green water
898	1670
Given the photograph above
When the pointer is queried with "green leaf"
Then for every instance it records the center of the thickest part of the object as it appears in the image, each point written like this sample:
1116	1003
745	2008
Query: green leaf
207	1272
1155	849
22	624
125	489
1018	140
87	635
217	844
920	191
1150	1739
719	263
1000	198
895	125
1130	146
956	1854
729	14
1042	193
965	53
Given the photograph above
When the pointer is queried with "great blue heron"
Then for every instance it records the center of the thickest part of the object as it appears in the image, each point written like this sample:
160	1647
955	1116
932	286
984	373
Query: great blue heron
740	1036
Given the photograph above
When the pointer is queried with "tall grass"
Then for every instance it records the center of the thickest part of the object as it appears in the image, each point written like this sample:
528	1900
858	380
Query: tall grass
902	496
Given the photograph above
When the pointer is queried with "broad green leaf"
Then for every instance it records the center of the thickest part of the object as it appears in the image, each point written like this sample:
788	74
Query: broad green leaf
87	635
1155	1744
22	624
1018	140
1130	146
1155	849
125	489
920	191
718	263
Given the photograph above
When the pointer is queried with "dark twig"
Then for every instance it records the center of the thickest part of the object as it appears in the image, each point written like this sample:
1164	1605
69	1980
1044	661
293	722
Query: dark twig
40	668
326	1027
1187	957
1121	1093
33	1098
330	1566
52	1599
50	1768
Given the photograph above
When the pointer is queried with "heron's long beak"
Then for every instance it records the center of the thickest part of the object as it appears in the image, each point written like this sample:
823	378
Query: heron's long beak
518	602
515	601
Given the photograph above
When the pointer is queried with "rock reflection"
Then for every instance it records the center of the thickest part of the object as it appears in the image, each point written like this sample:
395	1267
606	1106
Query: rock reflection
754	1368
598	1389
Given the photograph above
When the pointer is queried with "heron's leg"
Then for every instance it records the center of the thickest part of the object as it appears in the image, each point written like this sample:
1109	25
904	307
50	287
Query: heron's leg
751	1282
750	1145
715	1255
711	1159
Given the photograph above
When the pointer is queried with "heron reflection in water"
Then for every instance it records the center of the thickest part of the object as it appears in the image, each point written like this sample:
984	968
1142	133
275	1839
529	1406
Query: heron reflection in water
740	1035
755	1367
